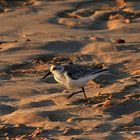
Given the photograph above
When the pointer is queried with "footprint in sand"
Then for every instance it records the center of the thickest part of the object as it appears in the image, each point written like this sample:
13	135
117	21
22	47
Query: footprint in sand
6	109
56	115
7	99
104	127
86	15
63	46
15	130
72	131
41	103
123	108
128	47
54	90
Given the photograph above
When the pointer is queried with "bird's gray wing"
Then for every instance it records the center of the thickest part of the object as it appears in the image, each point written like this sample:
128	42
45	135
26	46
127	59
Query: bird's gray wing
77	71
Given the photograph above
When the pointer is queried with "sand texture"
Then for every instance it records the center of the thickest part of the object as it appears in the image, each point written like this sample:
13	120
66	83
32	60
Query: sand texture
36	34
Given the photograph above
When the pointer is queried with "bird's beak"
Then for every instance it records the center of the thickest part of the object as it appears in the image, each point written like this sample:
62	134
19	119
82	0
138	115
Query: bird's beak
48	73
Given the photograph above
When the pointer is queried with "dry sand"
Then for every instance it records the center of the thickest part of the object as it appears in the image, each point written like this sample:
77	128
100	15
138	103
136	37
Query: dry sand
35	34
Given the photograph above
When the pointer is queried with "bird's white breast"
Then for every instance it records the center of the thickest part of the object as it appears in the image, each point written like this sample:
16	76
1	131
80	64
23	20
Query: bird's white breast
60	78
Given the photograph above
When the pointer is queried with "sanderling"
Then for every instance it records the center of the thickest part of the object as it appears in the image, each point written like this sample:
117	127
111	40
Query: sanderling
74	76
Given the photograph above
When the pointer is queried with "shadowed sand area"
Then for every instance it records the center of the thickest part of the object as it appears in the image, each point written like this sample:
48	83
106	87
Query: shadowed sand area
34	34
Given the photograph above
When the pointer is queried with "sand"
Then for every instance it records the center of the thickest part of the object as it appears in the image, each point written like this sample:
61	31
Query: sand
36	34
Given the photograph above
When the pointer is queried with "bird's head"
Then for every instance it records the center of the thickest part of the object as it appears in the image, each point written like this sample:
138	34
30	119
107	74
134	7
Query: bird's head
53	69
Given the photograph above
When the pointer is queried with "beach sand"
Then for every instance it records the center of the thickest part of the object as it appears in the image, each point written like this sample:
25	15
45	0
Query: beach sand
36	34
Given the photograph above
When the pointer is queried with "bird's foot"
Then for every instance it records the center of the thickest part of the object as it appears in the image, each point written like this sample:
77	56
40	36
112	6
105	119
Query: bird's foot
87	102
65	91
99	94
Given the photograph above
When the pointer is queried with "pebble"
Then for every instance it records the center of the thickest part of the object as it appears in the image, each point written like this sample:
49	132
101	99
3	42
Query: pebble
69	120
127	21
120	41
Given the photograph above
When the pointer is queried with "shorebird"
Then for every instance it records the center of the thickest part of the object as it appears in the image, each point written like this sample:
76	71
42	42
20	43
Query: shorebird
74	76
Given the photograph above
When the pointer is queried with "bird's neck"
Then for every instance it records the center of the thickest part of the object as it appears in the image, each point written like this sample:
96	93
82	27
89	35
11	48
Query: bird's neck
58	75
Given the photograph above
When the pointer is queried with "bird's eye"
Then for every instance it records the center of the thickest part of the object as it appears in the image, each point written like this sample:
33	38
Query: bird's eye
54	68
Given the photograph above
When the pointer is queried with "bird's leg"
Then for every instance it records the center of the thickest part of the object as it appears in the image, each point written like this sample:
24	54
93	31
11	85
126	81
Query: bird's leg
72	94
83	90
